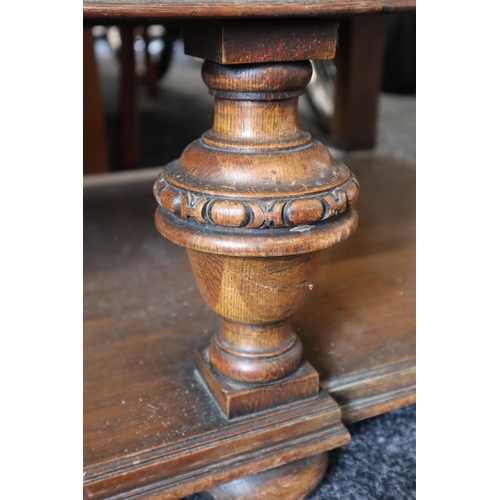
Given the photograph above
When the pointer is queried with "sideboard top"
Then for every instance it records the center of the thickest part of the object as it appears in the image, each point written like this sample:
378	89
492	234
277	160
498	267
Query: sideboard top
190	9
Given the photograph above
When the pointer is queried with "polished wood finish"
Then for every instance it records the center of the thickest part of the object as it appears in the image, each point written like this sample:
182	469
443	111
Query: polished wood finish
255	296
256	201
95	155
359	62
236	399
289	482
359	328
106	10
147	415
129	101
180	443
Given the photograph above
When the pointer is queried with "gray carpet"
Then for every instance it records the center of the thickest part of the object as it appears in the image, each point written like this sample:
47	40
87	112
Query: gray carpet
378	464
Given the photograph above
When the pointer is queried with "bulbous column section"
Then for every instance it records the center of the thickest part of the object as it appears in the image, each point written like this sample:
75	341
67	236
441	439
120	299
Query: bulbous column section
256	200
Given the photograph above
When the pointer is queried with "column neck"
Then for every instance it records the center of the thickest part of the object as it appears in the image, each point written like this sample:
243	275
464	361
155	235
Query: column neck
256	105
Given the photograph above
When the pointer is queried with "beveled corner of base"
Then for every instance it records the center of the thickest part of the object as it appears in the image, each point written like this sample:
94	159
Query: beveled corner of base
236	400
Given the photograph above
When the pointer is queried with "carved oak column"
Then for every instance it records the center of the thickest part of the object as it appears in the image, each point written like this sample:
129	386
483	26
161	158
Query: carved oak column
255	201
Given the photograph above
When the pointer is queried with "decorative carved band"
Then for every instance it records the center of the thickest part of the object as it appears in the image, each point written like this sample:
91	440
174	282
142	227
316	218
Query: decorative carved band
255	213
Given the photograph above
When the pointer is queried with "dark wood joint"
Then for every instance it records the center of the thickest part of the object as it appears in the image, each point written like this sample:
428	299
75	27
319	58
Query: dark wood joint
261	40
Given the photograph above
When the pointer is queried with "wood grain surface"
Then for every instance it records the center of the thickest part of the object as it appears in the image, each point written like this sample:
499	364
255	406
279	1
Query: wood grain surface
144	318
256	183
236	400
243	41
289	482
360	333
179	9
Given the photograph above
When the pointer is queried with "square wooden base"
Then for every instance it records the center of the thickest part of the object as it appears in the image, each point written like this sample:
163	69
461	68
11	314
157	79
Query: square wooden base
236	400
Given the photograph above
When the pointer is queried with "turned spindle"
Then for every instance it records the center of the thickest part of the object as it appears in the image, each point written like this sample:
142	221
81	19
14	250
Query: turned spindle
256	200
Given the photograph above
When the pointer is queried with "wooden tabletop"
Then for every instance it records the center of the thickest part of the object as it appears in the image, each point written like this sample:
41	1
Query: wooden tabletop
189	9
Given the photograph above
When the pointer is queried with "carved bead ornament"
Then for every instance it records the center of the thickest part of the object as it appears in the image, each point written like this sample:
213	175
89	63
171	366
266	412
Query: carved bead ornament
253	213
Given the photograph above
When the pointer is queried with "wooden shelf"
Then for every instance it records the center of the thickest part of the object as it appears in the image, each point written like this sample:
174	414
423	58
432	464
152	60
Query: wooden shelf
359	329
149	424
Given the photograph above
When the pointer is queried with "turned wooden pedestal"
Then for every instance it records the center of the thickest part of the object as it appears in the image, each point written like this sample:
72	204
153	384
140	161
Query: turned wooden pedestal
256	201
231	407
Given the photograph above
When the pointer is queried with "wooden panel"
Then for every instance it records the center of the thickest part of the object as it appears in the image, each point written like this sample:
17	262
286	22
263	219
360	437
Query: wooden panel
359	332
199	462
149	423
115	9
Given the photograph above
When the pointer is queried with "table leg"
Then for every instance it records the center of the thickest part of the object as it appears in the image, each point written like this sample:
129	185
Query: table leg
95	155
129	102
359	62
151	72
256	200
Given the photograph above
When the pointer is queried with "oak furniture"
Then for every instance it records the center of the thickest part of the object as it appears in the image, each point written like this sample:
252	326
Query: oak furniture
179	400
